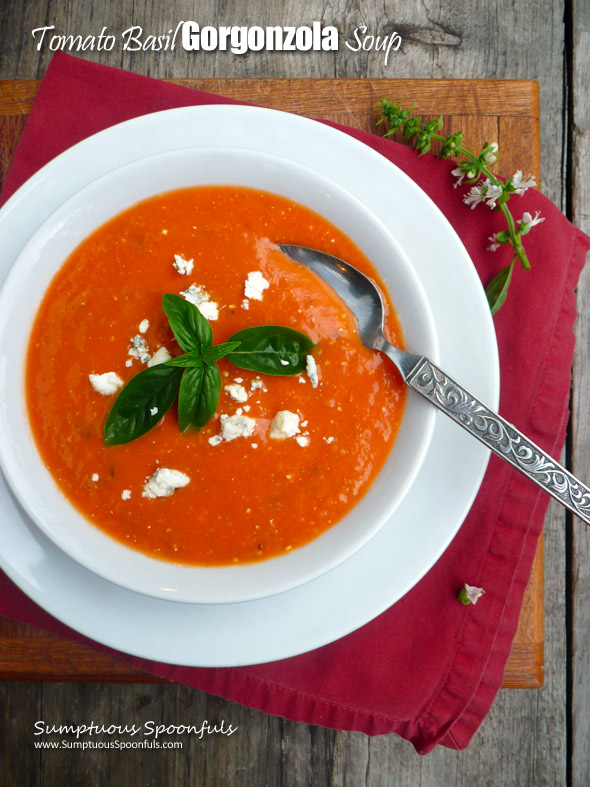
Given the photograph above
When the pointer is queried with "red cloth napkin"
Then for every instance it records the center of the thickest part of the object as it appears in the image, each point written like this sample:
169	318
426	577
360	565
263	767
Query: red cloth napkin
428	668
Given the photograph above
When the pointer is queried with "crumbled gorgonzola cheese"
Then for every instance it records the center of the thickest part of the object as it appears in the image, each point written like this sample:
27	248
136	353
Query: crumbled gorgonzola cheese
106	384
209	310
195	295
184	267
237	392
255	285
163	482
233	426
139	349
312	370
144	325
200	298
160	356
285	424
126	494
302	440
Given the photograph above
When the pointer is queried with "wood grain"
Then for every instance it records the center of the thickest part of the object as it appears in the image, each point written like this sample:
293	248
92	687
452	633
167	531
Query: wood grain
580	537
490	109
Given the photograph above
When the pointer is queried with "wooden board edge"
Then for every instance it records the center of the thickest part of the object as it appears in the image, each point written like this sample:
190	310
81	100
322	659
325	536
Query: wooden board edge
516	97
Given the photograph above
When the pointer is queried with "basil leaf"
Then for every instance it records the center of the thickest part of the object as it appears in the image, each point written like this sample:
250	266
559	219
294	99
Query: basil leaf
213	354
497	289
130	416
191	330
263	347
198	397
192	359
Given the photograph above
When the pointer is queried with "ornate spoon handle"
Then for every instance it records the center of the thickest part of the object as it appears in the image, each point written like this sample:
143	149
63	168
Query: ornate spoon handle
499	436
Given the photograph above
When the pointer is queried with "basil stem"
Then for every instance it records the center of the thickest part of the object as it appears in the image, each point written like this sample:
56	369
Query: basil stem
212	354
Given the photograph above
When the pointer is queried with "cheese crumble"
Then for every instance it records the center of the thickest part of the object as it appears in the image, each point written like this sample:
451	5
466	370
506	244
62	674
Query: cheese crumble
160	356
285	424
164	482
200	298
139	349
105	384
312	371
237	392
184	267
233	426
209	310
144	325
255	286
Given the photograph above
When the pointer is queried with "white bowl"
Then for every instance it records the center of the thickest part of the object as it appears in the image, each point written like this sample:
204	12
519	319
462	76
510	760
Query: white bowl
25	286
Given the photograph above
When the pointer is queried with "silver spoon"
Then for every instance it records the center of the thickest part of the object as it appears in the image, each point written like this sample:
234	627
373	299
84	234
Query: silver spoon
426	378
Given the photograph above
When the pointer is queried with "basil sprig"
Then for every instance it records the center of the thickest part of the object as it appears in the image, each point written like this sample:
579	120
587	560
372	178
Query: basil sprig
194	376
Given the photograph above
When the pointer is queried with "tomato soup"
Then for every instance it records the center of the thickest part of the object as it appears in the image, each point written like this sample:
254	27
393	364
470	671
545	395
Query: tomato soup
249	498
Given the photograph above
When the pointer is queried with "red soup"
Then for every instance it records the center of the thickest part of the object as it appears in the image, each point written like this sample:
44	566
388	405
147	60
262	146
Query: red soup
249	498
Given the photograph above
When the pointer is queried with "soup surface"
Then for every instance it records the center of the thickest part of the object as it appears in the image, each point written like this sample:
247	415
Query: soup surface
249	498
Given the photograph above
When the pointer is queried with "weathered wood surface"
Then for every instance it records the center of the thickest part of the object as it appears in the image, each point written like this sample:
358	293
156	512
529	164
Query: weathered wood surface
580	541
524	739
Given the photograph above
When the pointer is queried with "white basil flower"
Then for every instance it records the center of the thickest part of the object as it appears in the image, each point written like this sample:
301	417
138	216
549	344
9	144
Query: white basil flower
530	220
520	184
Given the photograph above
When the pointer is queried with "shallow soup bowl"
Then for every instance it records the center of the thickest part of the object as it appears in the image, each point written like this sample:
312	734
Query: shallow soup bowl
25	286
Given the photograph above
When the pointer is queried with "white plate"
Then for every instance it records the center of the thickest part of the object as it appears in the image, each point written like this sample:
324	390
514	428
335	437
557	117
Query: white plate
422	526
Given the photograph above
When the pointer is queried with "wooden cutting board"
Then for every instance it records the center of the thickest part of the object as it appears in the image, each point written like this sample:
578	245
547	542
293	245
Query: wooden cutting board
504	111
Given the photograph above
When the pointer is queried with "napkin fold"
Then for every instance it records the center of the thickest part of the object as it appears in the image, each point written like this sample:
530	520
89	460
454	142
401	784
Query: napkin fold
428	668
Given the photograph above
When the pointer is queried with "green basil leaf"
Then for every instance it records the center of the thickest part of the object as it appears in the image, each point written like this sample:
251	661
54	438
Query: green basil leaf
497	289
192	359
191	330
263	347
212	354
130	416
198	397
